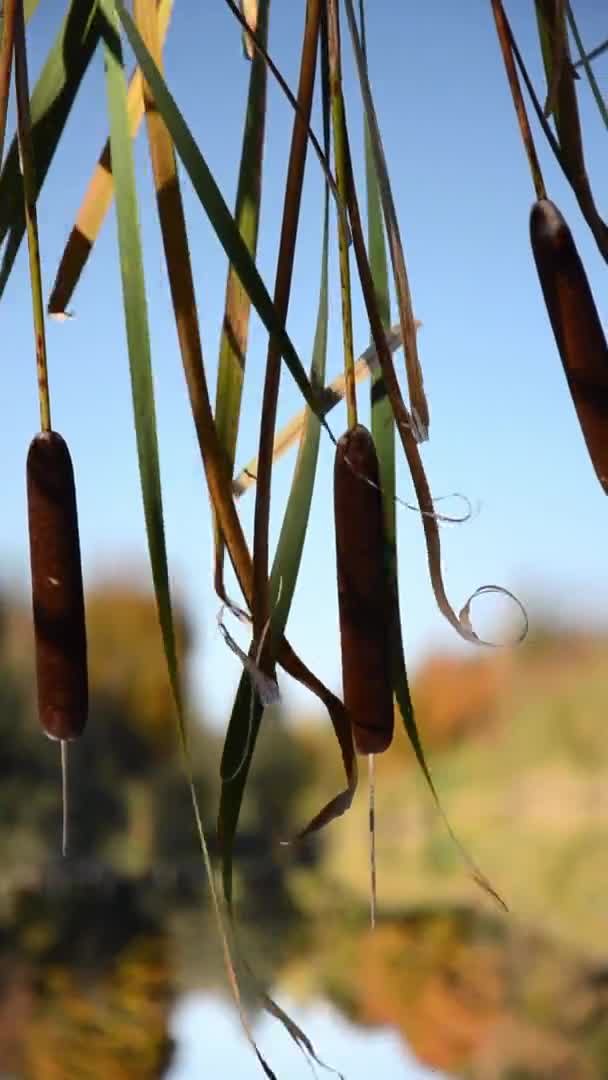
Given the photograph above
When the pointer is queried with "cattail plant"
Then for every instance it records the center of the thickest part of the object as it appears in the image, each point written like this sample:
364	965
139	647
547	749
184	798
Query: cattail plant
57	591
574	319
373	661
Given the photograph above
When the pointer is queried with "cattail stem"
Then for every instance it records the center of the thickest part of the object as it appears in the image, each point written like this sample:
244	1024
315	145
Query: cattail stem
505	39
338	123
6	63
64	797
28	168
371	763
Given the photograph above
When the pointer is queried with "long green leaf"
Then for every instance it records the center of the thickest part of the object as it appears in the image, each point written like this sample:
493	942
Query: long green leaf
418	403
592	55
585	61
51	103
247	715
138	340
235	329
136	317
218	213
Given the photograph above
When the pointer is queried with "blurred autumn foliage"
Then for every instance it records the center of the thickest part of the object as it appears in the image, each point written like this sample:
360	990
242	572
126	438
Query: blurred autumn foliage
456	697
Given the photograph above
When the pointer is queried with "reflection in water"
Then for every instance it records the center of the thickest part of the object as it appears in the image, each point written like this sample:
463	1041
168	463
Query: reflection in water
209	1042
120	983
103	966
85	987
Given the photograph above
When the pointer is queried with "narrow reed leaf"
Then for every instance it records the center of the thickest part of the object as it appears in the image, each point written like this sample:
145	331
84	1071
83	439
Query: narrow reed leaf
585	61
145	427
7	43
182	289
138	341
504	38
51	104
418	403
331	27
99	194
260	46
593	55
216	209
561	93
557	47
282	291
235	327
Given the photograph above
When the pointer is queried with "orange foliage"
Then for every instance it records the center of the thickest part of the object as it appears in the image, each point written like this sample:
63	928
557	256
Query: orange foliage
455	697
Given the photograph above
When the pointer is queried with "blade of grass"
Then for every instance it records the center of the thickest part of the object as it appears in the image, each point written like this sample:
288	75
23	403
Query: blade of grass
558	56
553	35
593	55
284	273
518	101
418	403
218	212
99	194
145	427
585	61
260	46
6	62
235	328
51	104
332	29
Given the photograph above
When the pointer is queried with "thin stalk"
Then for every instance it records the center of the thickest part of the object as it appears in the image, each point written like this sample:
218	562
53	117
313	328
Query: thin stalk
371	762
64	797
26	151
518	101
593	55
256	39
6	63
285	261
338	124
601	104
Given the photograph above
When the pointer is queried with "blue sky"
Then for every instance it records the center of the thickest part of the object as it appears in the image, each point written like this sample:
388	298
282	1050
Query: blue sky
503	429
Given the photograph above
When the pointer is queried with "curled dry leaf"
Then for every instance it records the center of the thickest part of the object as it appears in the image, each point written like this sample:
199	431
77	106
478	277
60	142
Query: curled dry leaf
266	687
